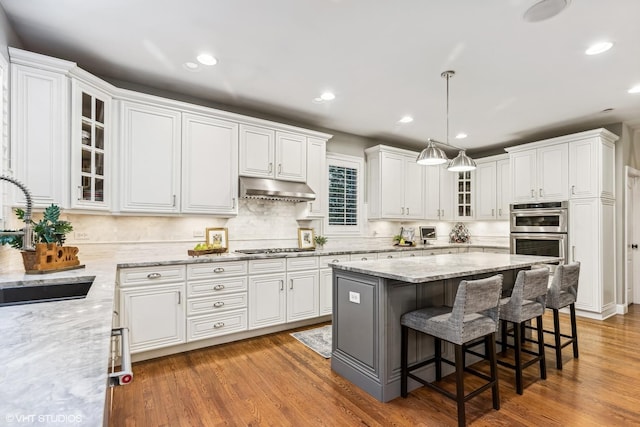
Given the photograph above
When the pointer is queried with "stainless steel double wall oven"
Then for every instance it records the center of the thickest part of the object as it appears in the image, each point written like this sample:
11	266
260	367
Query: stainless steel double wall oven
540	229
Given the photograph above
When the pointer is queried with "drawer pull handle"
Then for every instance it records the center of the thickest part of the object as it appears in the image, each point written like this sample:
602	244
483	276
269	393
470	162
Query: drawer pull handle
218	270
154	276
412	255
218	287
363	258
336	260
218	325
218	304
389	256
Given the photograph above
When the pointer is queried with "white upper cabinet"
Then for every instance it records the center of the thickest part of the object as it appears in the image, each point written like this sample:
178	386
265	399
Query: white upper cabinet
574	166
150	158
439	193
91	147
539	174
291	157
40	127
209	165
317	176
257	151
267	153
492	188
592	165
395	184
464	195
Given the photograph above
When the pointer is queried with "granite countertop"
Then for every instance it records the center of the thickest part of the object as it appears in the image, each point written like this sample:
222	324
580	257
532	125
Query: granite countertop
55	354
440	267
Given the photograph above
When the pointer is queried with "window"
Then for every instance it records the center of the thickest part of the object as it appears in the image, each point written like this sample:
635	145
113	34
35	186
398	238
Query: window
345	194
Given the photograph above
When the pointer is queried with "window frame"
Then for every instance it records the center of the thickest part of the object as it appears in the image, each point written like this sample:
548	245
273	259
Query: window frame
343	160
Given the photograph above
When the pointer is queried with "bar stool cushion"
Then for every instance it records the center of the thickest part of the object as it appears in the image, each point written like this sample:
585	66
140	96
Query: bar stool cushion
527	301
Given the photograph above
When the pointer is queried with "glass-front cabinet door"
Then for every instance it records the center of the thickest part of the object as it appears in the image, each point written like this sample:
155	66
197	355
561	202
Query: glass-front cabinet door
465	196
90	147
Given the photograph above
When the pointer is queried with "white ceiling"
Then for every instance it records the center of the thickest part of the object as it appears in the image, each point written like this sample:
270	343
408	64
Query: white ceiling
515	81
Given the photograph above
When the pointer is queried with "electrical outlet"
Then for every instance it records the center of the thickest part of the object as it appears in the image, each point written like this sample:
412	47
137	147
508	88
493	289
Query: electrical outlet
354	297
79	235
198	233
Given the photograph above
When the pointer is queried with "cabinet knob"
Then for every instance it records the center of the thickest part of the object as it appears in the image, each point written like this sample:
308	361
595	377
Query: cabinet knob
218	270
218	325
154	276
218	287
218	304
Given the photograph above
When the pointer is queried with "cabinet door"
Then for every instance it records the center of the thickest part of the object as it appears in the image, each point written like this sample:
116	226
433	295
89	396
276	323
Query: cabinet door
432	192
267	300
391	182
464	197
485	191
553	182
150	158
291	157
90	147
447	194
413	189
584	243
40	134
523	176
257	151
503	188
209	165
302	295
155	316
583	168
317	176
326	291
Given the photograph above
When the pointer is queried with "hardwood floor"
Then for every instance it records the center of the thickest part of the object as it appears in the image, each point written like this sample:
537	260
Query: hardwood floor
276	381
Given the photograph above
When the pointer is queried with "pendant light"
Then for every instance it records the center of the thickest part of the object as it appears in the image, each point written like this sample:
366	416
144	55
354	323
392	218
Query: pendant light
433	155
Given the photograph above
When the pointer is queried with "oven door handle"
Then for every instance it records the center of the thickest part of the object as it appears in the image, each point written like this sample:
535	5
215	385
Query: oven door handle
125	375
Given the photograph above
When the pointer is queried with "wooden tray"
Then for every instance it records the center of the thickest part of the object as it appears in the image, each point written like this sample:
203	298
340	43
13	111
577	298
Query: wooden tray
193	252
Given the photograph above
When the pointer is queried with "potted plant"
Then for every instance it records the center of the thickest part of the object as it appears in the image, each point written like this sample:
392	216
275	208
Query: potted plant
320	241
49	232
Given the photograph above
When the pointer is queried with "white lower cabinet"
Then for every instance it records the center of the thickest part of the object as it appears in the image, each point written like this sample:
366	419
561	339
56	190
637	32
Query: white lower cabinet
326	291
267	300
216	299
303	297
154	314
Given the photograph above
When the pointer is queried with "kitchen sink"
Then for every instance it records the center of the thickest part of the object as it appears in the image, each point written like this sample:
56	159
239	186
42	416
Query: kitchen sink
33	291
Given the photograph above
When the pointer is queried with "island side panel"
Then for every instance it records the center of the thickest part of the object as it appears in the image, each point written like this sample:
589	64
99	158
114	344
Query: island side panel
356	340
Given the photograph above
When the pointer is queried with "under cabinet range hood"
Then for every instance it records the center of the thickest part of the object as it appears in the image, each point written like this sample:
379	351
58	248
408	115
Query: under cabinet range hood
273	189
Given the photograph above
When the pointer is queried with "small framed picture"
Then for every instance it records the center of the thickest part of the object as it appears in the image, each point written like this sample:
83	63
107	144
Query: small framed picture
217	237
306	238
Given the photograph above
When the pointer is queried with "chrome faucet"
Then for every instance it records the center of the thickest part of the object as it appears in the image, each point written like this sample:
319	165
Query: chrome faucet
27	231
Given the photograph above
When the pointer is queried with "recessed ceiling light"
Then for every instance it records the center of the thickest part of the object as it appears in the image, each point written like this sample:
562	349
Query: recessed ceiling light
597	48
327	96
545	9
406	119
461	135
190	65
206	59
635	89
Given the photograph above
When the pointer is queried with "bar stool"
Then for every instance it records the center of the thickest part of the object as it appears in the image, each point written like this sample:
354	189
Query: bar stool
563	292
474	315
527	302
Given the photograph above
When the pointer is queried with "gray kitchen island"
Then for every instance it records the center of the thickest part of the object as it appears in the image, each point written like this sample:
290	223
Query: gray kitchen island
370	296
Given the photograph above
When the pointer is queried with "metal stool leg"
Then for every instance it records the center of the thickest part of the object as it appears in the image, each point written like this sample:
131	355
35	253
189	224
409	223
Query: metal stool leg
543	364
460	385
556	334
574	330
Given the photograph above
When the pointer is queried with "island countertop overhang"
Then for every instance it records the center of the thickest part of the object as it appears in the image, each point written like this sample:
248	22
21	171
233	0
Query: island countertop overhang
442	266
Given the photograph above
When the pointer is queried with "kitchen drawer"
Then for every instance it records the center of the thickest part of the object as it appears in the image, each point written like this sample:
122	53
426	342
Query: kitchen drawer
216	269
436	251
213	325
302	263
205	288
150	275
215	304
267	265
363	257
326	259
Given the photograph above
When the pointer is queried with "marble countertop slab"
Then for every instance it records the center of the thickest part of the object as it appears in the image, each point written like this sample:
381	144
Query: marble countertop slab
440	267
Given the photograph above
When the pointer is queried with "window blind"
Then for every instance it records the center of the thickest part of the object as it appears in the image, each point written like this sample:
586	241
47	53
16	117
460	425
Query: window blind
343	196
